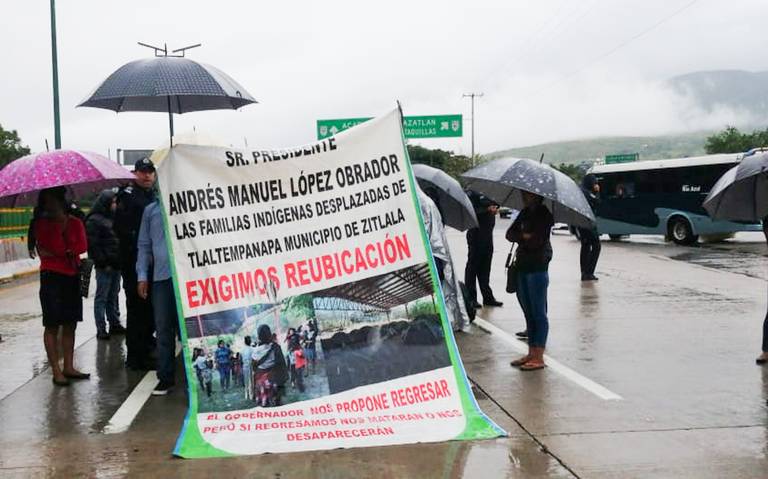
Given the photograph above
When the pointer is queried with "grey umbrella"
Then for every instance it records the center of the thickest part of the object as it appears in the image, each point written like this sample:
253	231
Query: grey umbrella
455	207
503	179
168	84
741	194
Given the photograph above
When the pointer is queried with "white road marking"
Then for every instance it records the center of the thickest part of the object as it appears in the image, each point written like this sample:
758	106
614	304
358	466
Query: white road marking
552	364
127	412
124	416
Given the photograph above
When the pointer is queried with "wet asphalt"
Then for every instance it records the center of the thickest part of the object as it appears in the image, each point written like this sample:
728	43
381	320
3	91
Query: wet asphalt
671	330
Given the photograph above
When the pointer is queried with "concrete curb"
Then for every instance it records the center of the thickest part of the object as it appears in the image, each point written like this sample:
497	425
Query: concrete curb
18	269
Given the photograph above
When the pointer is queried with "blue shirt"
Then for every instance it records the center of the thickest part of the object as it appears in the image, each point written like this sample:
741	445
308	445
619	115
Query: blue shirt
153	251
222	356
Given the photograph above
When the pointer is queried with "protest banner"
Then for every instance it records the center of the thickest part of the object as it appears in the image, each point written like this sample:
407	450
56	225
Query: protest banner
318	254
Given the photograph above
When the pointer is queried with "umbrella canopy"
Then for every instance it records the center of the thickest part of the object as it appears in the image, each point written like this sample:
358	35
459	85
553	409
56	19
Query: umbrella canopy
454	205
84	172
741	194
168	84
502	180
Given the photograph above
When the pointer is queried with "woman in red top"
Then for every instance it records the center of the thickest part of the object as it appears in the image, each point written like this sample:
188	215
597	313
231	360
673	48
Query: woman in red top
60	240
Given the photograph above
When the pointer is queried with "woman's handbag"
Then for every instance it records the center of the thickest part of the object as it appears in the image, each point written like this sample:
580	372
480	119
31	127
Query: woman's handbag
511	270
84	273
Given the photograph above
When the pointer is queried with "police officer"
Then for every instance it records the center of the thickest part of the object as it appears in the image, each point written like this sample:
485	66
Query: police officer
480	250
131	201
590	238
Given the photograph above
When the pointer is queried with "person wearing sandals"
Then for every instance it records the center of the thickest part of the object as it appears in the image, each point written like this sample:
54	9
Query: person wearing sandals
60	239
531	231
763	358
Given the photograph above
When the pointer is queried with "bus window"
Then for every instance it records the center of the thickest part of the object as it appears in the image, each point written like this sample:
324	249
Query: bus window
625	190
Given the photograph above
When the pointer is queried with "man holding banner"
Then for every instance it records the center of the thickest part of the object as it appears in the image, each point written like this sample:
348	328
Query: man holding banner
153	257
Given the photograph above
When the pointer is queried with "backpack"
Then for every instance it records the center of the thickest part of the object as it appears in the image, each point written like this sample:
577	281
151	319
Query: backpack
279	373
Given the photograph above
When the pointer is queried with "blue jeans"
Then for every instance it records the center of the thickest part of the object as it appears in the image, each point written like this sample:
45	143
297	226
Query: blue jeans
224	376
532	296
105	304
166	325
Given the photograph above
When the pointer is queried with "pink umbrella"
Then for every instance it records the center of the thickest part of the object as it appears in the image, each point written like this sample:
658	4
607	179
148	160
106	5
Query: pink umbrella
83	171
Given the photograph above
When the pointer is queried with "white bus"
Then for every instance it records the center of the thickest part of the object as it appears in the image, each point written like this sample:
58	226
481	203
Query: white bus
663	197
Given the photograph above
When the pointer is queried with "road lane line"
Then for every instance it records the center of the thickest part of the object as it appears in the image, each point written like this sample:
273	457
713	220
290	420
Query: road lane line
552	364
124	416
127	412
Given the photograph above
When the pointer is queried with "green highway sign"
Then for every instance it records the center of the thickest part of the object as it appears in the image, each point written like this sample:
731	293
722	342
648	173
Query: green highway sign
326	128
427	126
621	158
434	126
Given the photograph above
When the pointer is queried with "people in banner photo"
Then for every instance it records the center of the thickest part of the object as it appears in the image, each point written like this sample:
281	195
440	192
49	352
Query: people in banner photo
269	369
310	344
60	239
198	363
480	251
223	364
206	371
247	355
153	264
140	323
104	250
292	341
589	237
531	231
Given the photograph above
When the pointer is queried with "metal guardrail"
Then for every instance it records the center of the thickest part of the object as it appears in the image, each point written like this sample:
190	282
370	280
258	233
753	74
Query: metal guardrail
14	222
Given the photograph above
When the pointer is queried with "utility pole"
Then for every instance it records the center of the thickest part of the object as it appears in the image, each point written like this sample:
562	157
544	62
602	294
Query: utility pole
472	100
55	68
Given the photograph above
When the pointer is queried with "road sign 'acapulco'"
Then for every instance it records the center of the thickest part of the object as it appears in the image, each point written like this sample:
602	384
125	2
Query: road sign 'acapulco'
426	126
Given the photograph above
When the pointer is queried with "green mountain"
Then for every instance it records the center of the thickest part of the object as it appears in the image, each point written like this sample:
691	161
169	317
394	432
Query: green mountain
577	151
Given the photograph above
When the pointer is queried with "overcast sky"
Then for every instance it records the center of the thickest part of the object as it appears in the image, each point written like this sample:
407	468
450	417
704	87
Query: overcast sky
541	64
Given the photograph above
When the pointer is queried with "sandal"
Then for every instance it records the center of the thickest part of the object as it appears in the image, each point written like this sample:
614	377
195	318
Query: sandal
531	366
77	375
519	362
61	382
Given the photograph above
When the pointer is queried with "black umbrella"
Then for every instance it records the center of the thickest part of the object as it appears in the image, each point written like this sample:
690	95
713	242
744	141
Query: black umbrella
741	194
503	179
168	83
454	205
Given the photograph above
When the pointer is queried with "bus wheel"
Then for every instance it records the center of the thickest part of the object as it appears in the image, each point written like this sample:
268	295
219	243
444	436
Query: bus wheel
615	237
681	232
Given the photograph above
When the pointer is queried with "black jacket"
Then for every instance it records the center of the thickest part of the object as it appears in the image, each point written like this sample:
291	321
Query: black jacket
103	245
587	187
535	252
481	238
131	201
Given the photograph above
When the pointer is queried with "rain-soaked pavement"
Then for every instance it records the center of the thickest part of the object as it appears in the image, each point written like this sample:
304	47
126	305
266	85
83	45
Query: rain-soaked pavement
670	331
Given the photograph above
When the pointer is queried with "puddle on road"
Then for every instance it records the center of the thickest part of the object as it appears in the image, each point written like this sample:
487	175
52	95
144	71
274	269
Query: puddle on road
748	264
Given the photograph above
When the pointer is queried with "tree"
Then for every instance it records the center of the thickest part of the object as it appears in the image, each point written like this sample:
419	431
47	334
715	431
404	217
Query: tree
576	172
452	164
731	140
10	146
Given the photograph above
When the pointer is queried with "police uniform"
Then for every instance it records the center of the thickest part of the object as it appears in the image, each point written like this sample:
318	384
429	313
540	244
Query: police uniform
140	323
480	250
589	237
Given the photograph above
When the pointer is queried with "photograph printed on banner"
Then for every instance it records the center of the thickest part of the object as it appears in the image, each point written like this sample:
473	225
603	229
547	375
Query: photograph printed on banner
312	345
